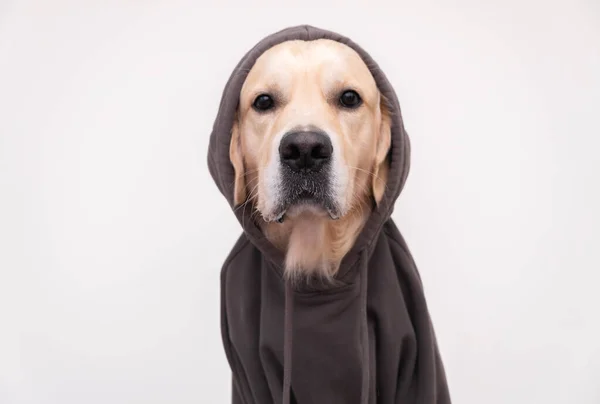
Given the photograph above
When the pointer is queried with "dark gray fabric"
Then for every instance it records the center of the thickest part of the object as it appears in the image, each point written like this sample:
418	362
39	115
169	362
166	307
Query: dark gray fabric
367	339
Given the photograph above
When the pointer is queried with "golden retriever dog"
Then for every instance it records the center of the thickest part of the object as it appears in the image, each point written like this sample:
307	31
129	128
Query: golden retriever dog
309	147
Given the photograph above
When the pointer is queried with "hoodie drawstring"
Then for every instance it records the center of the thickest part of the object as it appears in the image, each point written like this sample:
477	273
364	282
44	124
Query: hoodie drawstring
364	325
288	322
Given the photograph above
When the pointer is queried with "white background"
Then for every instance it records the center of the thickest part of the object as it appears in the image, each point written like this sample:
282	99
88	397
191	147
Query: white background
112	233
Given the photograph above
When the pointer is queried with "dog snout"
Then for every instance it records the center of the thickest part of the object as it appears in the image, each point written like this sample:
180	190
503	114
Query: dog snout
305	151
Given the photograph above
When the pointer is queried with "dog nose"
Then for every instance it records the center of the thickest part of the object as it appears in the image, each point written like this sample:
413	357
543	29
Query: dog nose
305	151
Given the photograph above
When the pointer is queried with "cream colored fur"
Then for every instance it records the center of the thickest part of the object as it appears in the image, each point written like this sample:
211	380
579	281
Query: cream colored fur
307	77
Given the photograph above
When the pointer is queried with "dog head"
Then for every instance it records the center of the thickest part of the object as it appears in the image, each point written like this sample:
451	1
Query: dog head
311	134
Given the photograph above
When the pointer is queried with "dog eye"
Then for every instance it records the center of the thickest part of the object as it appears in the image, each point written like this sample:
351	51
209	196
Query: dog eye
350	99
263	102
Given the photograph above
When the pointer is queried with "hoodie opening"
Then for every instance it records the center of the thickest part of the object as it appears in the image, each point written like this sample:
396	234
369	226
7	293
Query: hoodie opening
222	171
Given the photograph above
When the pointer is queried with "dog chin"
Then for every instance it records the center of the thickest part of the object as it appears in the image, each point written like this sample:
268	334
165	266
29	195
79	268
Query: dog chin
306	207
303	207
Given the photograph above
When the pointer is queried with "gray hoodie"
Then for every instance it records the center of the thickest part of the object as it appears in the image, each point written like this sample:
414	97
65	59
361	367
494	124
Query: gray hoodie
366	339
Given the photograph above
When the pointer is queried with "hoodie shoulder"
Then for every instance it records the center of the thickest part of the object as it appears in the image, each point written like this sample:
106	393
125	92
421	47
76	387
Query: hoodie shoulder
398	244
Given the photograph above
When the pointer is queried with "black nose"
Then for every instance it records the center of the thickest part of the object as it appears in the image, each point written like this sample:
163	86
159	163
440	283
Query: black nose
305	151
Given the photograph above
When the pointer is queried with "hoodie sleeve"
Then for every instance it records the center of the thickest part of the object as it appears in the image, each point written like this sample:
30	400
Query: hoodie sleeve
424	382
235	396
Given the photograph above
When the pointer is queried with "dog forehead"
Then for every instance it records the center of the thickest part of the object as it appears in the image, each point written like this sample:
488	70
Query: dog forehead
319	59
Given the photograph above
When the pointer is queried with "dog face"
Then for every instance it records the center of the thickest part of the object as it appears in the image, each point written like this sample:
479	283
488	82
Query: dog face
311	133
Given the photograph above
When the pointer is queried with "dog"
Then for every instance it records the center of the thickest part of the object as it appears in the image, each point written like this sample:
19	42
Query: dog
310	151
309	147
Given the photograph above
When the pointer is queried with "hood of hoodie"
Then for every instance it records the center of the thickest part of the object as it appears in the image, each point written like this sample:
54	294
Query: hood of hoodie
221	168
366	339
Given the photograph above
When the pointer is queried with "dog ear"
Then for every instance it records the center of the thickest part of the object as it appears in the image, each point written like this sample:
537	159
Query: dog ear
384	140
237	160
